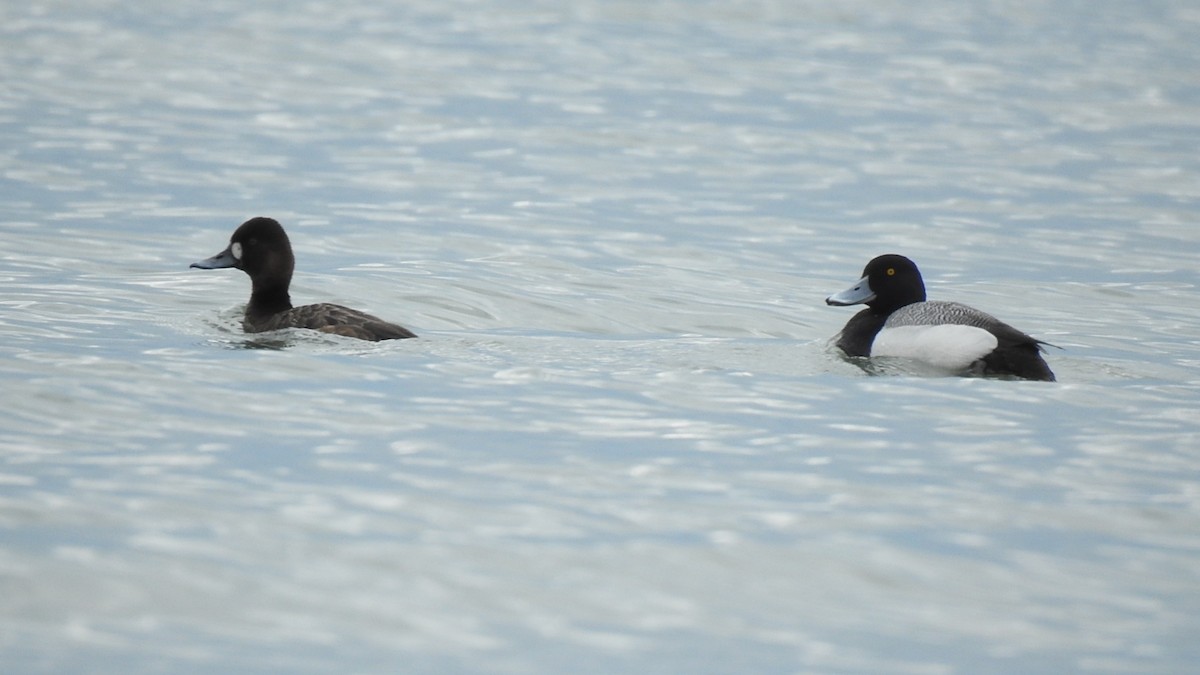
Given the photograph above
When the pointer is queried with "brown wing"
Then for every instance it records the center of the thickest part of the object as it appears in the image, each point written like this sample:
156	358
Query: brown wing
339	320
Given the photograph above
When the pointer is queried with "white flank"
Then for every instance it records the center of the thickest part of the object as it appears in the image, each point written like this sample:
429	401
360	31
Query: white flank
950	346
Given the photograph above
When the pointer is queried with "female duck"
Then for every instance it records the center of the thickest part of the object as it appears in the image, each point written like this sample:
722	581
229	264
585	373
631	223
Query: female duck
261	249
899	322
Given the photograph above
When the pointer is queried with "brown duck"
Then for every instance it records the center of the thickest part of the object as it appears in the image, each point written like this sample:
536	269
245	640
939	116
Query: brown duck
260	248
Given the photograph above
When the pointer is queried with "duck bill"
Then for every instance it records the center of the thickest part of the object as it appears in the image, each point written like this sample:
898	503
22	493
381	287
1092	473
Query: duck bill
219	261
857	294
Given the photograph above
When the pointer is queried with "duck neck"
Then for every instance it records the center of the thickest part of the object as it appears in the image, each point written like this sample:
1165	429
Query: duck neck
268	299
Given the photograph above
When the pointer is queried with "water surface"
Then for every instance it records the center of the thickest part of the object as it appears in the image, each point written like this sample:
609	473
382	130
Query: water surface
623	441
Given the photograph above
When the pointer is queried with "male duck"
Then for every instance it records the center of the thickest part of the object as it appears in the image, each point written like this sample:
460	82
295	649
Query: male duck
260	248
899	322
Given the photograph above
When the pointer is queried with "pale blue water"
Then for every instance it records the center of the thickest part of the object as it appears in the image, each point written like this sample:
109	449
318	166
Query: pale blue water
623	442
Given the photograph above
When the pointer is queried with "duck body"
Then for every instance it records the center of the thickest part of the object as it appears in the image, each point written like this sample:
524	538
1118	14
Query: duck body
900	322
261	249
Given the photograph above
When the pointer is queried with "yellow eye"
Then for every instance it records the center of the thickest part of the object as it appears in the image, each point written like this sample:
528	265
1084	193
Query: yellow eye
891	271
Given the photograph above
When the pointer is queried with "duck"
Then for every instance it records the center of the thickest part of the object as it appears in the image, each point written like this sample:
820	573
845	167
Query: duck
260	248
898	321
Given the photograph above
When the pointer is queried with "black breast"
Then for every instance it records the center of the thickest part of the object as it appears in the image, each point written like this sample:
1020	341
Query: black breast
860	331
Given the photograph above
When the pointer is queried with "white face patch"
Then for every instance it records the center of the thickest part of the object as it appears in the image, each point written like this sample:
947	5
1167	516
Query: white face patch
236	249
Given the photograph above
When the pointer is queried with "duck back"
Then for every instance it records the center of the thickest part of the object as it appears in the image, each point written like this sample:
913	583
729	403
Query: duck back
329	318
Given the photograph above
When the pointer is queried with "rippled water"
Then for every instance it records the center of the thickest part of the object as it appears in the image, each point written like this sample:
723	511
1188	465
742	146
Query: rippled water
623	442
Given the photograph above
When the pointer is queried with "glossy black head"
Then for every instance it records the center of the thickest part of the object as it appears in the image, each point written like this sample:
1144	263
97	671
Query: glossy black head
889	282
